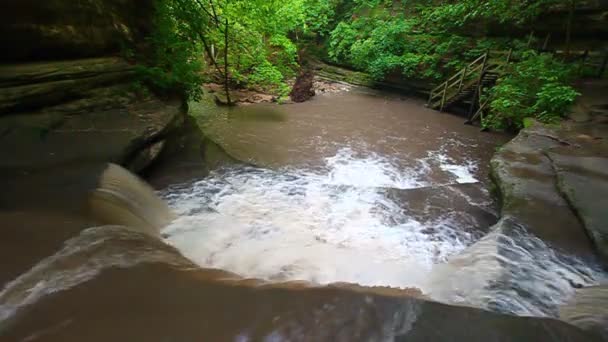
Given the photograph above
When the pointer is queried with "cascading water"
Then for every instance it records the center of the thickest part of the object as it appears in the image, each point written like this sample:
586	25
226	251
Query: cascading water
340	224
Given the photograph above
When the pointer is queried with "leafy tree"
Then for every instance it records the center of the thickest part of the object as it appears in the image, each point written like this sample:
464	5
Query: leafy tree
240	42
431	40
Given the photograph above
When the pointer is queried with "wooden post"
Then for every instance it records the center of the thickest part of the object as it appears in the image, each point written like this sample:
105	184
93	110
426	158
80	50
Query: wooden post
477	92
509	56
464	74
581	67
445	90
472	107
546	43
569	27
530	38
603	67
226	76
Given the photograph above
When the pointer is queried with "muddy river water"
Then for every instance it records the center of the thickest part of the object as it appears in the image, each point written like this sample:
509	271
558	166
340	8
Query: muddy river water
357	187
366	188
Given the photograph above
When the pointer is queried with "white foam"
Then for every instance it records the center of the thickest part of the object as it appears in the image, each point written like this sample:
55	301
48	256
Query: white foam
513	272
340	226
294	225
462	173
373	171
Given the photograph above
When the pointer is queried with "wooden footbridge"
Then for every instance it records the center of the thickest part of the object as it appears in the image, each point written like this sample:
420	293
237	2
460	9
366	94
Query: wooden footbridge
467	85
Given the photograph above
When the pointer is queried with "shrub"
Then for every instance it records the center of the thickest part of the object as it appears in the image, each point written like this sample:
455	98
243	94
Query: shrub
535	87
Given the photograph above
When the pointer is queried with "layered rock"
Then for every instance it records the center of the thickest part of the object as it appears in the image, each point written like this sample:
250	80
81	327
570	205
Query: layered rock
55	113
65	96
59	29
530	197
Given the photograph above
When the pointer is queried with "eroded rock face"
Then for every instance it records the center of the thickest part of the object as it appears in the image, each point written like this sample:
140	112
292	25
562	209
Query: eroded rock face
65	96
59	29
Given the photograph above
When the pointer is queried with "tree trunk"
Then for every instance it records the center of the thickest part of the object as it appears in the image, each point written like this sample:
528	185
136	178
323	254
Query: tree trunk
569	27
226	78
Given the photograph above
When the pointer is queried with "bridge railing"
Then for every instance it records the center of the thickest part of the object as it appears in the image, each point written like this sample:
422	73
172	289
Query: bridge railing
468	76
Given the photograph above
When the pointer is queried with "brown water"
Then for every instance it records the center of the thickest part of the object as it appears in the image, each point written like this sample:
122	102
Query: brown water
358	187
367	188
366	122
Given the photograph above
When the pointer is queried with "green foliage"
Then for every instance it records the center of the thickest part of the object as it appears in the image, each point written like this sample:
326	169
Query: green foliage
267	77
190	41
174	65
431	40
420	39
319	16
455	15
536	87
261	54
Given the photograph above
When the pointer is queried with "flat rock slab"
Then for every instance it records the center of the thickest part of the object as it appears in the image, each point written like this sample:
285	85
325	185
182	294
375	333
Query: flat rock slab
50	137
583	181
528	187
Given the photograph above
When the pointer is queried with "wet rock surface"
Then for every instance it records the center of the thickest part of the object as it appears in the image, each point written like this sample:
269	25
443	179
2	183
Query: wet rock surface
559	172
138	288
553	182
79	111
587	310
583	181
528	186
